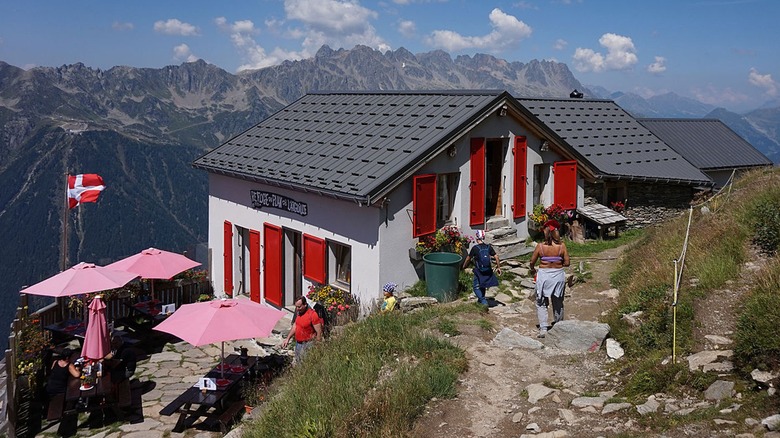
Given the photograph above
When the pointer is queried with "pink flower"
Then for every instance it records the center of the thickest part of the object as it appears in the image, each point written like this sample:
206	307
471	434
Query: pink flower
341	307
339	313
347	306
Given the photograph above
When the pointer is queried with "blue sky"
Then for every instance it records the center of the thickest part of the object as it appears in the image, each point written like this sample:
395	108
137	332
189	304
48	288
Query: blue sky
717	51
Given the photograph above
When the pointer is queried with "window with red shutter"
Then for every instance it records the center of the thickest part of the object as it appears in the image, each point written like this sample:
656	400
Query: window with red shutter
565	184
314	258
227	253
424	205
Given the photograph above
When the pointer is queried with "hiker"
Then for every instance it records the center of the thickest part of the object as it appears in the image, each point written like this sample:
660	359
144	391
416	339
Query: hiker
551	278
306	328
482	254
389	302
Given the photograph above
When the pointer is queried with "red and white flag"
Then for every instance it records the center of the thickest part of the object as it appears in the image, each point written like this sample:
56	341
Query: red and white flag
84	188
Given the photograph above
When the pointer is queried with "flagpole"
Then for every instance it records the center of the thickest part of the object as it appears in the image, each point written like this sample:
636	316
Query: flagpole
64	231
64	255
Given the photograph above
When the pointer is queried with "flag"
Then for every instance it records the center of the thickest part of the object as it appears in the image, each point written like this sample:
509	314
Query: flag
84	188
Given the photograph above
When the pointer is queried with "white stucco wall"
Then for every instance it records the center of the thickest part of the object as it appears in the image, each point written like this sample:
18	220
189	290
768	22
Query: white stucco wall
328	218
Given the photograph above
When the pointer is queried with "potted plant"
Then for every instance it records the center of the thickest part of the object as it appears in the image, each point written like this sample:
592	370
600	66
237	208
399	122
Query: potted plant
253	395
446	239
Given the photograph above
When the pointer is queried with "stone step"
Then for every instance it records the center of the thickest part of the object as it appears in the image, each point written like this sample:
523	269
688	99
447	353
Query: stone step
496	222
500	234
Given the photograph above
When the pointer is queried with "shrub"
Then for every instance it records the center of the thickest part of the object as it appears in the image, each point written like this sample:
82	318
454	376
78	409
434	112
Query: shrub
764	219
757	343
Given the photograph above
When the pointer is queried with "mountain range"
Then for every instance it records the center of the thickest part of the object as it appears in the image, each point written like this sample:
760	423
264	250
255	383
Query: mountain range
140	128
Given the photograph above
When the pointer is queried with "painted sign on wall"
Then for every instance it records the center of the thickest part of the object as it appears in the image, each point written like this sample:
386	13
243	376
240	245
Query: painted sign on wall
262	199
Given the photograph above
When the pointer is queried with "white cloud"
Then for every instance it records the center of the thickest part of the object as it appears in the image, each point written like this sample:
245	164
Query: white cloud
122	26
507	31
763	81
407	28
560	44
620	55
182	53
337	23
657	67
713	95
173	26
525	5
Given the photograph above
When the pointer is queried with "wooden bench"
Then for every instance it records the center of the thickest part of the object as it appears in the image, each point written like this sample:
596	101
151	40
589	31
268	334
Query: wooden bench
56	407
231	413
174	406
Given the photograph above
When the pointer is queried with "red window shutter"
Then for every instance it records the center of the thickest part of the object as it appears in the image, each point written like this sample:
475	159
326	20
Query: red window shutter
272	264
477	182
254	265
314	258
521	177
565	184
424	205
227	248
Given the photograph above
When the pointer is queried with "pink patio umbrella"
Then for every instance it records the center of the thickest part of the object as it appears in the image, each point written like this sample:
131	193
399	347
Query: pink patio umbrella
97	342
81	279
154	263
219	321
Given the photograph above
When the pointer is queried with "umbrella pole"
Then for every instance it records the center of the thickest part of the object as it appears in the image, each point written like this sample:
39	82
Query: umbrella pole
222	364
151	280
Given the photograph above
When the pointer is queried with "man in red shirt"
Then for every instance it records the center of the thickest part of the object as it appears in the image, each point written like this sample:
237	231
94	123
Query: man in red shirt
307	327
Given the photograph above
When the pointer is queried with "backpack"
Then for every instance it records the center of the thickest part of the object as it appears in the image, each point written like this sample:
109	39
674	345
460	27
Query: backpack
482	261
324	316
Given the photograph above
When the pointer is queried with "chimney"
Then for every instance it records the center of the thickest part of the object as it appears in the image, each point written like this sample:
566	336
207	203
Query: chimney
576	94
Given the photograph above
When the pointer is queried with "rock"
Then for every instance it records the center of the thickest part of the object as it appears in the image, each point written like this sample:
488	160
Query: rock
596	402
487	360
702	358
508	338
717	340
537	391
614	407
408	304
567	415
503	298
533	427
611	293
718	367
721	422
771	391
520	271
633	319
528	283
719	390
772	422
762	376
649	407
518	417
614	350
579	336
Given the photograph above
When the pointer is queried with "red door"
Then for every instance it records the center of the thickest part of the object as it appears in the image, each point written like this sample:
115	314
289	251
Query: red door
272	236
477	182
521	178
254	265
227	257
565	184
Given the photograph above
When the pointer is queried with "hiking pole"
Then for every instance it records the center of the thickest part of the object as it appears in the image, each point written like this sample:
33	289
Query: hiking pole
674	316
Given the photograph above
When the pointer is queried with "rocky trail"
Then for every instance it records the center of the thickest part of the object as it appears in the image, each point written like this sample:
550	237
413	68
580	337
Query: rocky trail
516	386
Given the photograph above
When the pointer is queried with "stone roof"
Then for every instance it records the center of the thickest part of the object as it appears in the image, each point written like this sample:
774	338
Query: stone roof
614	142
707	143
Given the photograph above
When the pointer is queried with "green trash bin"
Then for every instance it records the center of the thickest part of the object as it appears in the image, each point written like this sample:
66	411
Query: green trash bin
441	275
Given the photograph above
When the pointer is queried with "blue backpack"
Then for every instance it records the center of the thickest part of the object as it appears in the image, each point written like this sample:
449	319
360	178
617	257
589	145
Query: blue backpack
483	259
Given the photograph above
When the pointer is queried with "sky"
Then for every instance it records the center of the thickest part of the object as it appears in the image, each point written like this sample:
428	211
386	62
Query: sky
720	52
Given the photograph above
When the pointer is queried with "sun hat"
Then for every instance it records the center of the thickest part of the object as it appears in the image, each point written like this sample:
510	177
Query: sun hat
389	287
480	234
552	224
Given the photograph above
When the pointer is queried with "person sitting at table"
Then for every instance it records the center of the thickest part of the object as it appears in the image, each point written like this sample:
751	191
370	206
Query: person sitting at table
121	362
61	369
306	328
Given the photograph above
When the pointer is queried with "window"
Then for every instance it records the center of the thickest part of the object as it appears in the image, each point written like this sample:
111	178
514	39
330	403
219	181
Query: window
446	187
341	264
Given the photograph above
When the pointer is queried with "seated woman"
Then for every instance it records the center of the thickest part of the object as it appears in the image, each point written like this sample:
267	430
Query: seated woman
121	361
61	370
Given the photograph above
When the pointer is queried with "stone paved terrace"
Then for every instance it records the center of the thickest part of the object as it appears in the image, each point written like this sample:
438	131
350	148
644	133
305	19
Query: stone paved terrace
173	369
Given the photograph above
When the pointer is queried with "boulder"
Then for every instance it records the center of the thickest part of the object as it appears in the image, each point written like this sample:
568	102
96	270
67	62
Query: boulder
508	338
408	304
579	336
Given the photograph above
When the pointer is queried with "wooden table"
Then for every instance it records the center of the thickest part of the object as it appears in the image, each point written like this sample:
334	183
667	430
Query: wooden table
150	311
98	397
218	399
67	330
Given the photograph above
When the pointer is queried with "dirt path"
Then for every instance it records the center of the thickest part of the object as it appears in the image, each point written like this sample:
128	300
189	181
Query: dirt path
492	398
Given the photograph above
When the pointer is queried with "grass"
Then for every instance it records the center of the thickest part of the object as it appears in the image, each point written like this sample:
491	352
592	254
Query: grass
718	246
373	380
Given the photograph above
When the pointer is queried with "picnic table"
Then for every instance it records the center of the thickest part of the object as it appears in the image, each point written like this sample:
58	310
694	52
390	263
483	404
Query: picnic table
67	330
216	406
150	312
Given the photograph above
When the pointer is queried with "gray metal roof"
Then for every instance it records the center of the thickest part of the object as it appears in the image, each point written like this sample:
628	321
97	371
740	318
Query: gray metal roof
707	143
612	141
349	145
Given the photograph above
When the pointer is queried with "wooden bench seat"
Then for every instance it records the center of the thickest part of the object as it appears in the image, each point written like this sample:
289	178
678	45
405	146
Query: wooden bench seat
174	406
231	413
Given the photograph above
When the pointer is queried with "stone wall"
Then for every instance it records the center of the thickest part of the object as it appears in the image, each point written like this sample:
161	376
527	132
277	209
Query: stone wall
647	203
